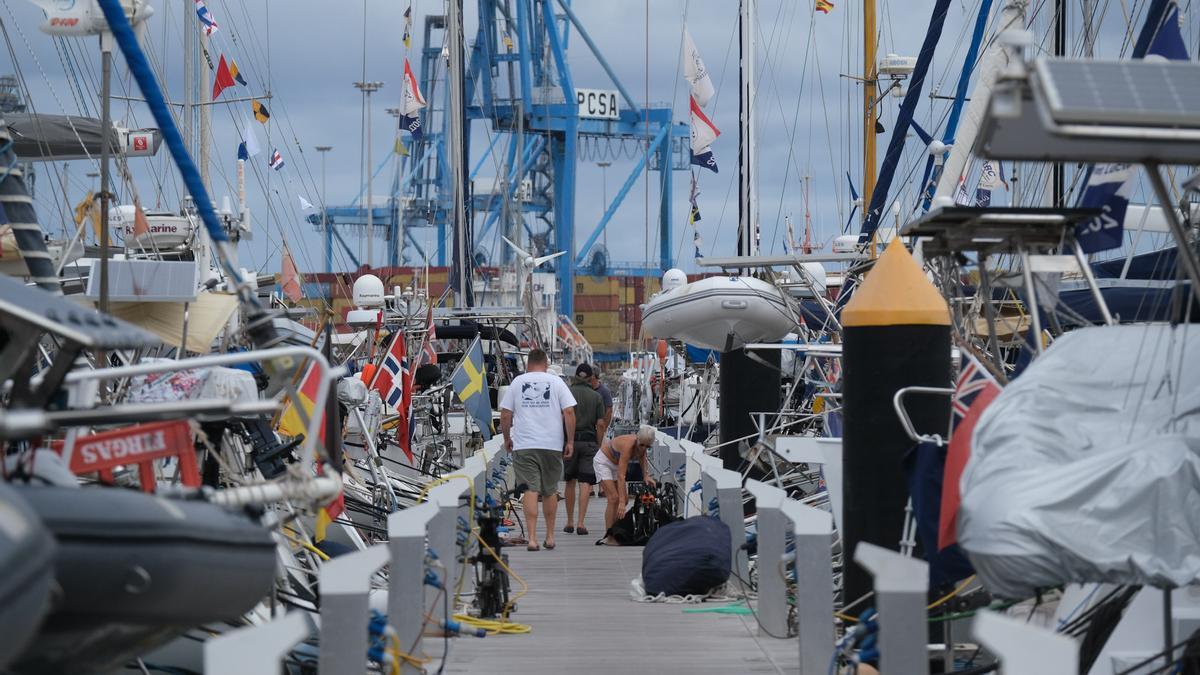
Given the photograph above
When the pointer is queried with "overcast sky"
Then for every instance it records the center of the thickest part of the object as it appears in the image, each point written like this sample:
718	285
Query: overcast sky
308	52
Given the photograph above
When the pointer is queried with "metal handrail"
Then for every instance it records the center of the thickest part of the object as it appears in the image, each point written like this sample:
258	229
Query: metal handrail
325	372
906	422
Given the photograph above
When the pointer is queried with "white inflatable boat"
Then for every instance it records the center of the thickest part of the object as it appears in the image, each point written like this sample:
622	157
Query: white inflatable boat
705	312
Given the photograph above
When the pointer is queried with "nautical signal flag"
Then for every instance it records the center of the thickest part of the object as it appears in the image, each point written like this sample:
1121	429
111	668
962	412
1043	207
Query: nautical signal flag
224	78
276	160
260	112
289	277
233	70
207	22
410	117
408	28
824	6
393	381
470	384
704	132
399	148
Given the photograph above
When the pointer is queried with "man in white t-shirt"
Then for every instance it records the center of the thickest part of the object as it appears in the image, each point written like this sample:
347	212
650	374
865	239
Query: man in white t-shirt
537	417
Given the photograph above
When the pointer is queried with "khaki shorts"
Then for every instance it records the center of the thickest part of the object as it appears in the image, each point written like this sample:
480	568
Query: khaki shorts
538	470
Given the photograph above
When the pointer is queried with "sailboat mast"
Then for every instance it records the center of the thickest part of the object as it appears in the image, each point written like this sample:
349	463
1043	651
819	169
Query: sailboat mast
869	92
747	197
454	72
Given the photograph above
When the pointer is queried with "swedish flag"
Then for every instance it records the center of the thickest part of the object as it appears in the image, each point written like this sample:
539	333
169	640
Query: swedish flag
470	384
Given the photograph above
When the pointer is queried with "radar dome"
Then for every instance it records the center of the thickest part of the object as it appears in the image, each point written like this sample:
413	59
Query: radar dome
368	291
674	278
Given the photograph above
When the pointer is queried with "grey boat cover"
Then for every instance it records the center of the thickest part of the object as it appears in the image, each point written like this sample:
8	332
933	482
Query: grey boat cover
59	137
1086	468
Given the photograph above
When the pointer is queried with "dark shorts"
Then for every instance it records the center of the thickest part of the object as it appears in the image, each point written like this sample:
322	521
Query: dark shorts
538	470
579	466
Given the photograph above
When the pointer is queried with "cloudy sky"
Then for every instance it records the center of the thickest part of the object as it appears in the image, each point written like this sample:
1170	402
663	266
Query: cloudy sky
307	53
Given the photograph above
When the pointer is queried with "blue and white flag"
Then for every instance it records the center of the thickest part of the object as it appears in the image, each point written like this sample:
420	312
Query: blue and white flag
1108	189
276	160
1110	185
410	110
243	153
704	132
697	242
990	178
695	72
207	22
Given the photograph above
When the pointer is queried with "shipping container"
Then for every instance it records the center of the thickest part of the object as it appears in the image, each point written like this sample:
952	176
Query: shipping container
596	319
596	303
596	285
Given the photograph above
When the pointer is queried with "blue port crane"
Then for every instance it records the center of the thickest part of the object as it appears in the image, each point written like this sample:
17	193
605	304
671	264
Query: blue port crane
539	125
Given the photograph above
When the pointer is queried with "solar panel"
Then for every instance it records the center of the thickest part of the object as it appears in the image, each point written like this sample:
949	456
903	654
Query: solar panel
1125	93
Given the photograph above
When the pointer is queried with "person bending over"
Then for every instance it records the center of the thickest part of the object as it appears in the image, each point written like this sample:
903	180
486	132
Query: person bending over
611	465
537	417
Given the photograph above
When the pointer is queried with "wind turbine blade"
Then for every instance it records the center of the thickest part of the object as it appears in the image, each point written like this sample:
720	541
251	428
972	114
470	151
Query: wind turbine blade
545	258
516	248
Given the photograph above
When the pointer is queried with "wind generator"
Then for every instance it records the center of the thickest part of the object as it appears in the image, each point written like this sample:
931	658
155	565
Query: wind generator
529	263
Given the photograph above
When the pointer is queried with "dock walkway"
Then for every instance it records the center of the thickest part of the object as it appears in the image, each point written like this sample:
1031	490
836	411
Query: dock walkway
584	621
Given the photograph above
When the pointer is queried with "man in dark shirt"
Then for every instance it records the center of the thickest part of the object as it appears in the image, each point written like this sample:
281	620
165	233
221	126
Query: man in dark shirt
590	425
605	394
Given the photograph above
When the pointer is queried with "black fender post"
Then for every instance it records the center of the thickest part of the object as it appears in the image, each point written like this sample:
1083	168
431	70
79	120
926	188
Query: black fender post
896	332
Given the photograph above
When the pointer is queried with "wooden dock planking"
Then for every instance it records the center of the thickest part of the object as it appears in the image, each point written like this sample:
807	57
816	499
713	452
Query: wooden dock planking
584	621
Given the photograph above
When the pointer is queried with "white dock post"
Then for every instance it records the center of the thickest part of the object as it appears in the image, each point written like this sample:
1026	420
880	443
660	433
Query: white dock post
727	485
443	538
813	537
772	539
1024	649
345	583
901	586
406	577
256	649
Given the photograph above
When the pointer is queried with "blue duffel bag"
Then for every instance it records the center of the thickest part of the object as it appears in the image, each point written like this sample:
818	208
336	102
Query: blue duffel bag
687	557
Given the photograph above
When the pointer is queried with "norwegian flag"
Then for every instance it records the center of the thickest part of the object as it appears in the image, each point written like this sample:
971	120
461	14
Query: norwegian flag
973	392
393	381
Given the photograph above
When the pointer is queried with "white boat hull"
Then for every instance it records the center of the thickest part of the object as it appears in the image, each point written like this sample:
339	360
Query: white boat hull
705	312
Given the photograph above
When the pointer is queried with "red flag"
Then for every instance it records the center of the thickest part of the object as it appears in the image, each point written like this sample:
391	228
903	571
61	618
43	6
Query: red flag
428	353
393	381
140	224
974	390
224	78
289	277
290	423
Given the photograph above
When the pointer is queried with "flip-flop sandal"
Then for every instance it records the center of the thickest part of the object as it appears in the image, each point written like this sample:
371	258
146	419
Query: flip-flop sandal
533	547
581	531
548	545
569	529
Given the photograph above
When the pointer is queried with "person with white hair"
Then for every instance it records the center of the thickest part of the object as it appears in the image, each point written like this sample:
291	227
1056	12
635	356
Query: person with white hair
611	465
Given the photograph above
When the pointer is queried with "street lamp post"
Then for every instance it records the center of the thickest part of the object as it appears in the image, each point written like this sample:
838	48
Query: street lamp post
368	88
325	213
